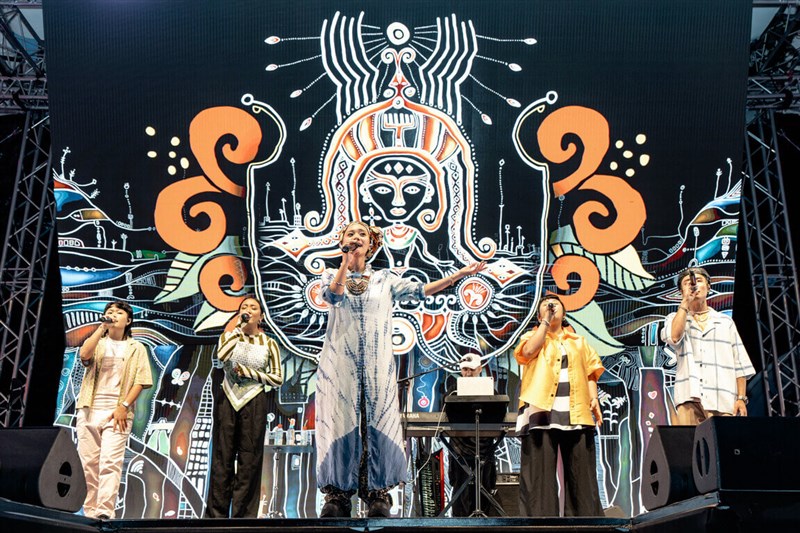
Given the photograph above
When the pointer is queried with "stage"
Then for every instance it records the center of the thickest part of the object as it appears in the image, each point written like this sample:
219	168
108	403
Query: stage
726	511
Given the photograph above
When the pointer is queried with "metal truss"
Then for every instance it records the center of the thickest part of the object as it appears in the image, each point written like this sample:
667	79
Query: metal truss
772	88
29	234
29	238
774	59
768	244
23	83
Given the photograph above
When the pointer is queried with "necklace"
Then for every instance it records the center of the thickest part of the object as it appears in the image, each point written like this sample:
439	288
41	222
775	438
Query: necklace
358	283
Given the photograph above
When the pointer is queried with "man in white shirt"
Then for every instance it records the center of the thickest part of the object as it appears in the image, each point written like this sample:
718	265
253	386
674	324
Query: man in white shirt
713	366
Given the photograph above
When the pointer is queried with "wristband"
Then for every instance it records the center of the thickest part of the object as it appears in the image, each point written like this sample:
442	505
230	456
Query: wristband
337	283
685	310
125	404
546	323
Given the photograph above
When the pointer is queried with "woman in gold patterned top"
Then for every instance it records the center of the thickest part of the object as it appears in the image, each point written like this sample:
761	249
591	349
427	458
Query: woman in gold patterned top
251	363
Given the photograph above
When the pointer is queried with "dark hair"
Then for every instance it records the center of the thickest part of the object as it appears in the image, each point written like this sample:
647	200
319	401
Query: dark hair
698	271
261	324
551	296
124	306
252	297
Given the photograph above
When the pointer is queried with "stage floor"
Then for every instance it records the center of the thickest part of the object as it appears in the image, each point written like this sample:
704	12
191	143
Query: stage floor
711	512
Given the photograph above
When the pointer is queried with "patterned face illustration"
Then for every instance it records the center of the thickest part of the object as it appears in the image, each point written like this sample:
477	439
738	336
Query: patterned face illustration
396	187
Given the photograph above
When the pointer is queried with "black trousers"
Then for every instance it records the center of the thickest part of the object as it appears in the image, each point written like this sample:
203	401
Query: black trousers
238	438
538	486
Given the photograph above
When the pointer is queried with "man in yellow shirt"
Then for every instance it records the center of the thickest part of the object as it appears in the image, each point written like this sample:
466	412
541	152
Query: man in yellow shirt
558	400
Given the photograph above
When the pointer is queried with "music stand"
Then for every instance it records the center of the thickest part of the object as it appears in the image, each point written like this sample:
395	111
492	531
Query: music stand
463	409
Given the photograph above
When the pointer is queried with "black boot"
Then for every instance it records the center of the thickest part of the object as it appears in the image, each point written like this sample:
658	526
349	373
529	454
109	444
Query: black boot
337	505
380	504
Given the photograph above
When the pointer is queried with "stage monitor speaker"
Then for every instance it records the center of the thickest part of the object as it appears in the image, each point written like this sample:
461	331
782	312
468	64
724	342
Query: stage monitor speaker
507	493
667	468
747	454
41	466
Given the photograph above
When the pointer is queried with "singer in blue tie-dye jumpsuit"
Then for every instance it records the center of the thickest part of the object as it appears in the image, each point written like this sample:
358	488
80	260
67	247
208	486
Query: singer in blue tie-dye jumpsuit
359	438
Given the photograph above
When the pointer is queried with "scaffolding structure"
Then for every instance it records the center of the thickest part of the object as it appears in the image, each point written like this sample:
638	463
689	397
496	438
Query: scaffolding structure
29	230
773	88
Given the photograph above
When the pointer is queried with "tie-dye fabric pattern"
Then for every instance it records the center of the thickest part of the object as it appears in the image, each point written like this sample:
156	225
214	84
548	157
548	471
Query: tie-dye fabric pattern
357	356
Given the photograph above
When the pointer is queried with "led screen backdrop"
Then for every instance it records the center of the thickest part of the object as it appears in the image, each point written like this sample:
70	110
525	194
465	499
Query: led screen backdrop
205	150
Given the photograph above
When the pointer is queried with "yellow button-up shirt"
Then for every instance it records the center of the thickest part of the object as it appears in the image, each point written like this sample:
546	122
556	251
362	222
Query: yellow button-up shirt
540	374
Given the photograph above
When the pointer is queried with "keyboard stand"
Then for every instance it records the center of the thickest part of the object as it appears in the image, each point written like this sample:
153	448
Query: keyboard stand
495	408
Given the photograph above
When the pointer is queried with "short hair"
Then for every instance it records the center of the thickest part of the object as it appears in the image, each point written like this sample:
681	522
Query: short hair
124	306
698	271
549	296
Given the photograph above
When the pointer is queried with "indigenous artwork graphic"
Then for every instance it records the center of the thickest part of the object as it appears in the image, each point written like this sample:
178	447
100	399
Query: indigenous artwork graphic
205	152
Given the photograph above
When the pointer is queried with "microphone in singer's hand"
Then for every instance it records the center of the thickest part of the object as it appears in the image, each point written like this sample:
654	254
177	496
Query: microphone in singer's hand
693	280
245	317
106	320
348	247
551	306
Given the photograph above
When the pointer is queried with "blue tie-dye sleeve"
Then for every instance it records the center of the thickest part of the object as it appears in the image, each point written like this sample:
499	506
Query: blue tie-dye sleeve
404	289
330	297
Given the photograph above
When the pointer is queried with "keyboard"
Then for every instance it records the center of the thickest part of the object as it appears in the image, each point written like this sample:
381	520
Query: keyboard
427	425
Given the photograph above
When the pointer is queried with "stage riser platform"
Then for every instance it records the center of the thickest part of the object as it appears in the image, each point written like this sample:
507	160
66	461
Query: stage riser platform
715	512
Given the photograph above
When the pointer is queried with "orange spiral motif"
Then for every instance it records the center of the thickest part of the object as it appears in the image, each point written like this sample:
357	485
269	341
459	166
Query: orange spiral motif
205	132
592	129
211	125
214	272
630	216
170	222
586	270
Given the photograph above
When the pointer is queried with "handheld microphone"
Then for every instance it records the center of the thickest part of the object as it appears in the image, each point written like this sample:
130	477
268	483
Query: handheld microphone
693	279
245	318
347	248
551	306
106	320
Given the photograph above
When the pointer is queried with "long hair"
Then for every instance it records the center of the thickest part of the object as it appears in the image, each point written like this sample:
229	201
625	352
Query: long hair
124	306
